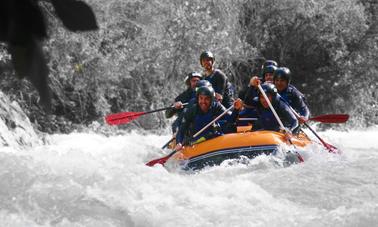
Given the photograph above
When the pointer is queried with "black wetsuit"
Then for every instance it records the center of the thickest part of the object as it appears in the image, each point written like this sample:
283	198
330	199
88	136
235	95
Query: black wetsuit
184	97
195	119
222	86
267	120
296	100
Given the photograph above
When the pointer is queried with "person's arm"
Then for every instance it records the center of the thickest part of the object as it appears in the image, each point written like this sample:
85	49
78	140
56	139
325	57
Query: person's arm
304	110
254	82
185	124
229	117
184	97
249	97
301	106
288	118
238	106
304	113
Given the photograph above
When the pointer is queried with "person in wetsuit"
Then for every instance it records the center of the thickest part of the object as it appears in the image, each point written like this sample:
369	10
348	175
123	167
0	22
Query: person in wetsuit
267	77
224	90
290	94
267	120
189	94
200	114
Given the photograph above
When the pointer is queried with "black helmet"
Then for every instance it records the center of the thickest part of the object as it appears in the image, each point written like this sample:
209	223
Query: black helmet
190	76
268	69
283	73
203	83
269	62
206	54
269	89
207	91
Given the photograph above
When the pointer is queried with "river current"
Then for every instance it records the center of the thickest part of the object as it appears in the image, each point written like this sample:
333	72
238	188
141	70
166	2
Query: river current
89	179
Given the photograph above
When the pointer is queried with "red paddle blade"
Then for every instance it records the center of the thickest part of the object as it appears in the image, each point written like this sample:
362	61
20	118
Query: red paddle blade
331	118
331	148
122	118
157	161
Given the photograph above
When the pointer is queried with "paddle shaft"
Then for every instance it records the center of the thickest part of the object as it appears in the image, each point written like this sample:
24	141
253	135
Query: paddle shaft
271	108
161	109
166	144
311	129
326	145
164	159
136	115
317	136
126	117
248	119
212	122
278	119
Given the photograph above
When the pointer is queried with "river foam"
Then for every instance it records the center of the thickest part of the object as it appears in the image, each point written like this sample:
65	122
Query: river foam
89	179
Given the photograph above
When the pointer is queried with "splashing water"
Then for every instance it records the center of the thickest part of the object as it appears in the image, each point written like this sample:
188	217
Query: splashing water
88	179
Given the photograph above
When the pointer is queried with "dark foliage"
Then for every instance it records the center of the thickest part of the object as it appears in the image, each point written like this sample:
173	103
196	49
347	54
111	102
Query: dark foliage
143	50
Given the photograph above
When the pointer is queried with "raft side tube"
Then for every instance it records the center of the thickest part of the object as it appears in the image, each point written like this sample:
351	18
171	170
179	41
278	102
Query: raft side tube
233	146
217	157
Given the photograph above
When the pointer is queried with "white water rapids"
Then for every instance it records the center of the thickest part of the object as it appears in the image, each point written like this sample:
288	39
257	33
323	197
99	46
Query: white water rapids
88	179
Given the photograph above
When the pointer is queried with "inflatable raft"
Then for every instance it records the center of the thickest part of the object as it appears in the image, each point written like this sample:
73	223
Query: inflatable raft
235	145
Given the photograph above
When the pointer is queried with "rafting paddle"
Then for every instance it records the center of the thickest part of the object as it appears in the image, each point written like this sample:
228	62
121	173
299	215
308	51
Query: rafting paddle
126	117
329	147
331	118
164	159
247	119
161	160
167	143
273	110
278	119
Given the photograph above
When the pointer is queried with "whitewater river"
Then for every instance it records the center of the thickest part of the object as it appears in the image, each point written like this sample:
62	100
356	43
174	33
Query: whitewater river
88	179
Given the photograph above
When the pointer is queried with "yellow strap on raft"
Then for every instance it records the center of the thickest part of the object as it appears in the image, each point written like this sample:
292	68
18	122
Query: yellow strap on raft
200	140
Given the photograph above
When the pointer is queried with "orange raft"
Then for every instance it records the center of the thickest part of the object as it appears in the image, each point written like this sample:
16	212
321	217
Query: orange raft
234	145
